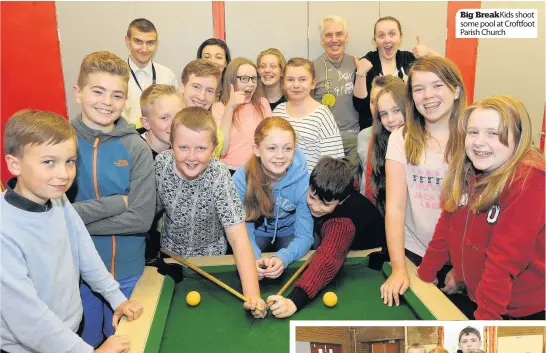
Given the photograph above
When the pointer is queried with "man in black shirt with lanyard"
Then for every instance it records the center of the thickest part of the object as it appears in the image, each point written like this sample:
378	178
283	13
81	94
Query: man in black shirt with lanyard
142	43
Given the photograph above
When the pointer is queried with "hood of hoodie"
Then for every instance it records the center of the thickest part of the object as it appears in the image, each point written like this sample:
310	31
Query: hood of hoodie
287	193
121	128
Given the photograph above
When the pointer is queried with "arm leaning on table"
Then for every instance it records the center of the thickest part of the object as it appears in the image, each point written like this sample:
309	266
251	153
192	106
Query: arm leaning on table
329	258
397	190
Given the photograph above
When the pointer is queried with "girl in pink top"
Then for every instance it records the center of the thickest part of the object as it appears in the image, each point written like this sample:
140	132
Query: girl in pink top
417	157
240	109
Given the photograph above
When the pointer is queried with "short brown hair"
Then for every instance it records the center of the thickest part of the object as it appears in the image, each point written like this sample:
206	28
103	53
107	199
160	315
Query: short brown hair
154	92
201	68
103	61
469	331
196	119
35	127
331	179
142	25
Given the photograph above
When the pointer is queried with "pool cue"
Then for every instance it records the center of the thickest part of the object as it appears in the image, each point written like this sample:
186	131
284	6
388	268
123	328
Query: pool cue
295	275
206	275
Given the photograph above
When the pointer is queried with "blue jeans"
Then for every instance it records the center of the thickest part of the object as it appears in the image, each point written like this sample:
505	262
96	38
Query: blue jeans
97	313
264	243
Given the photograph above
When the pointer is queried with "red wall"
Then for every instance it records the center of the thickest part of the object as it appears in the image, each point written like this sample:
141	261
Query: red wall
462	51
30	62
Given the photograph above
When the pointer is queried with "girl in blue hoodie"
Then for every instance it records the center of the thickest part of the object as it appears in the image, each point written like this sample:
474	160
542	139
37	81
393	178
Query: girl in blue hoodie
273	186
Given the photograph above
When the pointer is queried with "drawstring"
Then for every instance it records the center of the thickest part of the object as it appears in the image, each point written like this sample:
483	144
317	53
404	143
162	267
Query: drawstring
276	220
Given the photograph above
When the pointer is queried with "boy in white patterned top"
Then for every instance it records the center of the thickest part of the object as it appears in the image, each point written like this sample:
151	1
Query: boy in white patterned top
201	202
315	126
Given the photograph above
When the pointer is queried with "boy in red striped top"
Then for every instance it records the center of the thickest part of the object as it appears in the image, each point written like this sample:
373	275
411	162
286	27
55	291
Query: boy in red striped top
344	219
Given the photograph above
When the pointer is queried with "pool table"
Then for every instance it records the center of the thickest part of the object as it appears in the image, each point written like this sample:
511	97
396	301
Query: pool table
219	324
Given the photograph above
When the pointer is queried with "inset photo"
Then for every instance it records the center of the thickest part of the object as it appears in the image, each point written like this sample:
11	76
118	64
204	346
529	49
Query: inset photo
457	337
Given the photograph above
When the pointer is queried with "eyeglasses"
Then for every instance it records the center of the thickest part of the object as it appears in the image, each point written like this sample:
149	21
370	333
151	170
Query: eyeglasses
245	79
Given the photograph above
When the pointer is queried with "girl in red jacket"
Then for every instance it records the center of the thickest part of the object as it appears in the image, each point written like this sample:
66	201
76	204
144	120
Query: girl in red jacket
492	226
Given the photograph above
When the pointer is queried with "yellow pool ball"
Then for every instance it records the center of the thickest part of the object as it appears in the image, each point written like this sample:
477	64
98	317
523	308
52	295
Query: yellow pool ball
330	299
193	298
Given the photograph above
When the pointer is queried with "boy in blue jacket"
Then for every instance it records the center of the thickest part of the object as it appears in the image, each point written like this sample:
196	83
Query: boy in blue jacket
45	247
115	185
273	187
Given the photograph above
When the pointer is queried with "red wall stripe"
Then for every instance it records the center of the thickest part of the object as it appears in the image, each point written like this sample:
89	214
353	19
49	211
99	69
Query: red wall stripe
462	51
218	20
543	130
30	62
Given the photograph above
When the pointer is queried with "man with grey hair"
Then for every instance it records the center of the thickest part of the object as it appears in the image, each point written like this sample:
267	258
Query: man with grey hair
337	78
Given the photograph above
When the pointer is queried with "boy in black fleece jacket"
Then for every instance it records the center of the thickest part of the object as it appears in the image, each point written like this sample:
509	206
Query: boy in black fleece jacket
345	220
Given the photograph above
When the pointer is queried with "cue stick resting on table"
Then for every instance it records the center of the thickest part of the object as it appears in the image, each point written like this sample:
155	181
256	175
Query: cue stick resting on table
295	275
208	276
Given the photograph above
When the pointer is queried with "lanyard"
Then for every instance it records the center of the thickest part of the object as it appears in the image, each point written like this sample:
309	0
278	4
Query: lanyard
134	76
326	80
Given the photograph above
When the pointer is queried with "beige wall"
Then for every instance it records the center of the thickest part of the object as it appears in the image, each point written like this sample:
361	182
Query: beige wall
509	66
515	66
85	27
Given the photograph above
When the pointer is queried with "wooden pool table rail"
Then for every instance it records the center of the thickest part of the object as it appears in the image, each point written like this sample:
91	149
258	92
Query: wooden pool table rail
150	285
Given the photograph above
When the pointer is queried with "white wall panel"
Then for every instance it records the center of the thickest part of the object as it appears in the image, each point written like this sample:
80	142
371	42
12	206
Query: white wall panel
360	17
252	27
85	27
418	18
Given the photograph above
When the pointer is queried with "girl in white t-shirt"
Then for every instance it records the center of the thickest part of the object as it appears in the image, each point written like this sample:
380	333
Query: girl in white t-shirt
316	129
420	151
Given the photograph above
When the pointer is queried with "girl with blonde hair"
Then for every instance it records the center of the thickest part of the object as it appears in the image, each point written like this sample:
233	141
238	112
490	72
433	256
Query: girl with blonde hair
492	225
240	109
271	64
417	158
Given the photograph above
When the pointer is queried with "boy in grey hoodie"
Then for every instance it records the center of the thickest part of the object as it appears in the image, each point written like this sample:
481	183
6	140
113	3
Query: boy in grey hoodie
45	247
115	185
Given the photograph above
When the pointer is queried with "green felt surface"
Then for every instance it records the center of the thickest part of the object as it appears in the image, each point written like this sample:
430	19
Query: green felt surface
219	324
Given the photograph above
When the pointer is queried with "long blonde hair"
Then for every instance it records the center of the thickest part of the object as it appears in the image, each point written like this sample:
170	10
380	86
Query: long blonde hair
414	131
513	118
230	76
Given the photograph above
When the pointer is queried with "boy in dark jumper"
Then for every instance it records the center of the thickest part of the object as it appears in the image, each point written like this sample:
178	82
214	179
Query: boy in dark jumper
345	220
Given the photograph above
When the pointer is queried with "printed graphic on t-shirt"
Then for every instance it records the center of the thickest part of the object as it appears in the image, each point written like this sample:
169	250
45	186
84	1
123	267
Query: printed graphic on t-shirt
345	84
425	186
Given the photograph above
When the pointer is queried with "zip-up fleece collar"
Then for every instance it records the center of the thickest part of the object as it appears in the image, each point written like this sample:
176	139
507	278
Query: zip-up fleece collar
294	174
121	128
